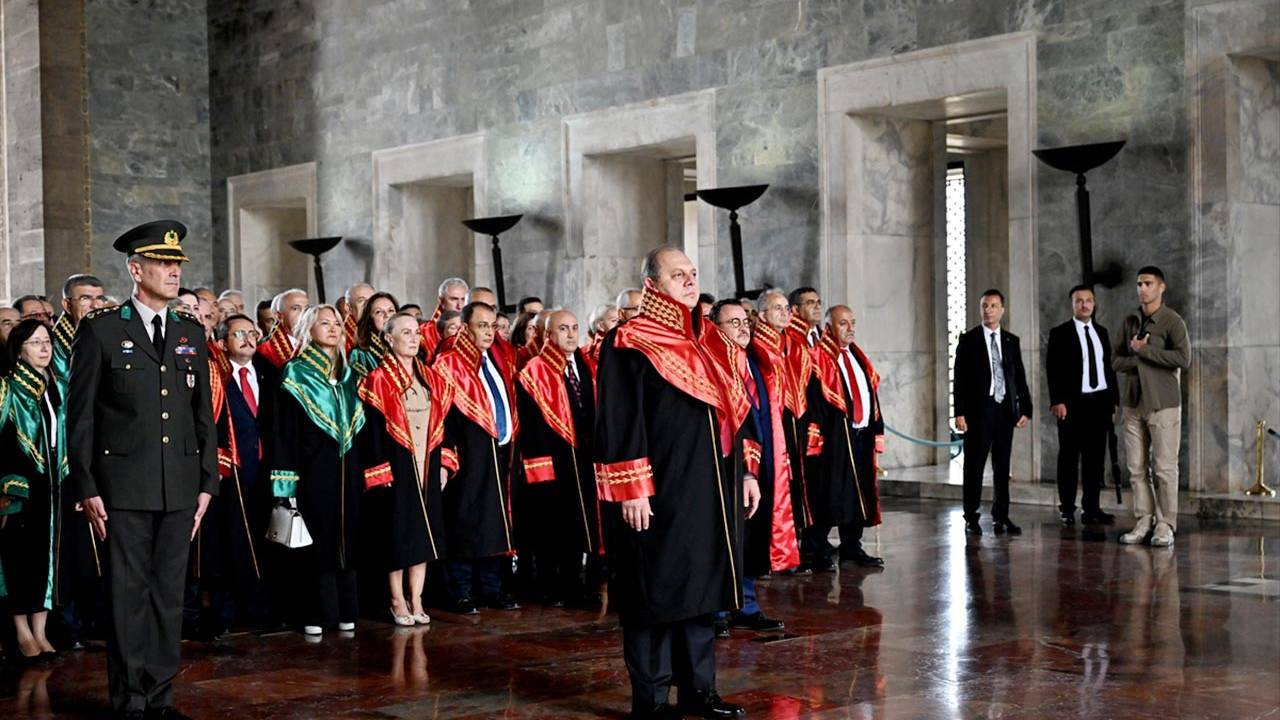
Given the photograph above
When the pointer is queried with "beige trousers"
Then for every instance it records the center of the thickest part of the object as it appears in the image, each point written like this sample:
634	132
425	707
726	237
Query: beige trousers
1158	433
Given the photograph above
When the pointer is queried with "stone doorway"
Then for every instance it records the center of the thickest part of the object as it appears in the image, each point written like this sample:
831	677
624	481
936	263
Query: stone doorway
887	129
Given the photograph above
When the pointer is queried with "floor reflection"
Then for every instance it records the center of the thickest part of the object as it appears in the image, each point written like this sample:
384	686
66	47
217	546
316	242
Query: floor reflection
1054	623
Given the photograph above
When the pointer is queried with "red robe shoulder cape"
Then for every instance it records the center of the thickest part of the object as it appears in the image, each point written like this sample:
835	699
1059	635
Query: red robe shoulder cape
826	357
665	334
383	389
277	348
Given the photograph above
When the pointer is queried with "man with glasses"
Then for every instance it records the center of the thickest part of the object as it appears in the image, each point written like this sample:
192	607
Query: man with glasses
79	578
769	538
81	294
478	431
228	564
806	306
33	307
628	302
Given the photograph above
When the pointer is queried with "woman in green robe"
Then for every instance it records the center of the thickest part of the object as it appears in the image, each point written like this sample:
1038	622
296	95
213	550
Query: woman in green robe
32	466
370	345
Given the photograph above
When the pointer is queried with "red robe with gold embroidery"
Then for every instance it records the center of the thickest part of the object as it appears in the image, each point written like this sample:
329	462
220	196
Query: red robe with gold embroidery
797	359
772	532
429	335
403	504
277	348
558	507
476	500
843	481
666	425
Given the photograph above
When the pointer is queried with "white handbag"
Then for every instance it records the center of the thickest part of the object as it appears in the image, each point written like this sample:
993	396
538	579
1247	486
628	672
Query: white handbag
287	527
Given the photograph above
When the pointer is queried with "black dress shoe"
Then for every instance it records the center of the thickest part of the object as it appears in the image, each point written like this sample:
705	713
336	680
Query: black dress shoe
759	622
865	559
1069	519
461	606
1006	526
972	527
503	602
130	715
661	711
721	627
1098	518
801	570
822	566
709	705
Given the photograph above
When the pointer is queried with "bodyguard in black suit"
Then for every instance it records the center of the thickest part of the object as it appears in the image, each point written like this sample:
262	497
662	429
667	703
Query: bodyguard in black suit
1083	394
142	449
991	399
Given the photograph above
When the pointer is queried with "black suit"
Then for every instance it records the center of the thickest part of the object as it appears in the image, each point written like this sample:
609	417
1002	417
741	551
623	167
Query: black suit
1082	436
990	424
140	434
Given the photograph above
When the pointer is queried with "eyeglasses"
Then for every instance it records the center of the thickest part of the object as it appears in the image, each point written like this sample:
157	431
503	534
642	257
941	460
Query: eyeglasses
736	322
38	343
242	334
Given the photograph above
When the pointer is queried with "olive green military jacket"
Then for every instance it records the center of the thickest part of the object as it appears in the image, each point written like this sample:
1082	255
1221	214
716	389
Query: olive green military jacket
140	429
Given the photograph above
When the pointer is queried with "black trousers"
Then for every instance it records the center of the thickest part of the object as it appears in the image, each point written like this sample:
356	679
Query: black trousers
148	568
815	545
990	433
334	598
477	579
658	656
1082	445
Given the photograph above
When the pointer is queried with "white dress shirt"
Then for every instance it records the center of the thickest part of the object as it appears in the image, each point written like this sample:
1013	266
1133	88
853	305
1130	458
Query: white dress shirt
252	376
501	398
1084	357
858	383
146	314
987	334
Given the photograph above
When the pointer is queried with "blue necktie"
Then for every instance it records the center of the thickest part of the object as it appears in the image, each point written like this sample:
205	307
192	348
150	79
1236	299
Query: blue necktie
499	412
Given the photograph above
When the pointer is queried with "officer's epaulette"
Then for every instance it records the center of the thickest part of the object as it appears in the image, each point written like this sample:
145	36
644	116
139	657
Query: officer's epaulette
186	316
102	311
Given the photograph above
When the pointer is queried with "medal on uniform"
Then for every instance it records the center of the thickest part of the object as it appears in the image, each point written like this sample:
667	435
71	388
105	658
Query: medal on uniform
126	347
191	381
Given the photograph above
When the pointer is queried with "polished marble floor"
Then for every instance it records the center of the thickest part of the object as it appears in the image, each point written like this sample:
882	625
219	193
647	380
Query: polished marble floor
1056	623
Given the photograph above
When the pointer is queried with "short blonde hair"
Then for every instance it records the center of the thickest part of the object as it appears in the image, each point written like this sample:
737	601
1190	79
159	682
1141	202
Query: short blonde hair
302	333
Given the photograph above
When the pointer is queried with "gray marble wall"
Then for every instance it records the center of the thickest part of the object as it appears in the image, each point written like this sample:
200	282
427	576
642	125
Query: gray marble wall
149	114
333	81
22	213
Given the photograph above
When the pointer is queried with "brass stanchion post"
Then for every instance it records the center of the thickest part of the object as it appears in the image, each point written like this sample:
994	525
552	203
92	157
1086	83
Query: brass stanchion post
1260	488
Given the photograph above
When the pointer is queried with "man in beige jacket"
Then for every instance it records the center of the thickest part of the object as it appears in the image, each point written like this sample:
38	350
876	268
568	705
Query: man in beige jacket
1152	351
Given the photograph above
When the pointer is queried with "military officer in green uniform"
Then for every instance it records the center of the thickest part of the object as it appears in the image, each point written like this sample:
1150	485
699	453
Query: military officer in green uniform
142	449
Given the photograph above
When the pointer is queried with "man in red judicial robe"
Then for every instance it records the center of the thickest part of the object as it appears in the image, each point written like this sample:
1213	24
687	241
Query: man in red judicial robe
845	407
727	346
280	346
478	431
666	422
452	295
802	437
772	543
555	402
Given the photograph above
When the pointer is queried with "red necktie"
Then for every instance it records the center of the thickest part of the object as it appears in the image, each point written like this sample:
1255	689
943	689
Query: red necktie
853	387
247	390
752	392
